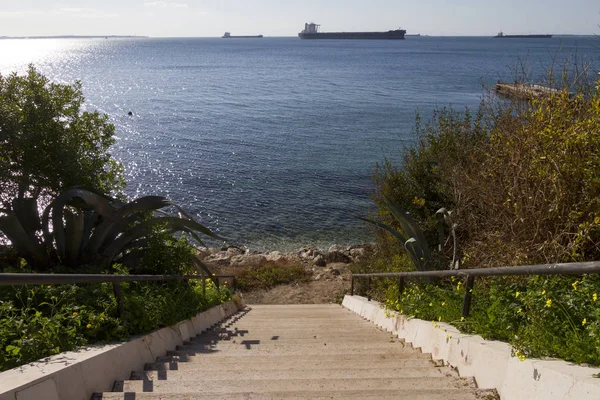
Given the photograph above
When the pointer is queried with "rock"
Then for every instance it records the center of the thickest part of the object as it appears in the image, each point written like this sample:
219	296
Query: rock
308	253
338	256
320	261
276	256
220	258
335	272
235	251
248	260
358	253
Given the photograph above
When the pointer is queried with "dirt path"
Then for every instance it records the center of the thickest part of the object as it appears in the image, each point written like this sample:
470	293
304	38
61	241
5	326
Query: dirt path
328	285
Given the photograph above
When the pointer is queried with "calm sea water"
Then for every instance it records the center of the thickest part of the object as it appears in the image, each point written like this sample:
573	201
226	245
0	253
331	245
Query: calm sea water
271	142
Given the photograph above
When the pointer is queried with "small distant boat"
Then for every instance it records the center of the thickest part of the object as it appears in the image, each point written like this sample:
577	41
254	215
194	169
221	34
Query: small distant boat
228	35
501	35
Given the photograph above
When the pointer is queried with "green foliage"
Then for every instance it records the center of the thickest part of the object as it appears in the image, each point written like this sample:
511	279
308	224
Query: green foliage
266	277
80	227
445	148
37	322
540	316
522	181
47	143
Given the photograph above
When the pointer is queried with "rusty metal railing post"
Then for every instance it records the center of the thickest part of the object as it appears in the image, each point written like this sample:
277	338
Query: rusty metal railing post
118	291
400	287
468	295
369	289
352	286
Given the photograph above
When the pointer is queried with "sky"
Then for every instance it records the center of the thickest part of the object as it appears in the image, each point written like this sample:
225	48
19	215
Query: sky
205	18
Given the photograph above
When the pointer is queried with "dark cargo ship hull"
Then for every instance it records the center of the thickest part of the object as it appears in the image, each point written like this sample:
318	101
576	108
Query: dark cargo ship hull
523	37
391	35
243	37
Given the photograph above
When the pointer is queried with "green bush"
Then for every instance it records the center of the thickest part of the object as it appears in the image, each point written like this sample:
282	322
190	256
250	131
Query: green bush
265	277
40	321
522	181
540	316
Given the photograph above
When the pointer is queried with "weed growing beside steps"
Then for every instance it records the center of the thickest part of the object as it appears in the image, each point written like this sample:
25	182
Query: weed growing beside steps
40	321
266	277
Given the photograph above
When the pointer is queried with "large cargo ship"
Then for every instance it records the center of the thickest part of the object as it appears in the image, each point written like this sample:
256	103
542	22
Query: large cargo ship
501	35
311	31
228	35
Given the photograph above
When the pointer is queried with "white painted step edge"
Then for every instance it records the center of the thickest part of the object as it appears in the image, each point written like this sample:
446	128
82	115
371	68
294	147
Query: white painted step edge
489	362
76	375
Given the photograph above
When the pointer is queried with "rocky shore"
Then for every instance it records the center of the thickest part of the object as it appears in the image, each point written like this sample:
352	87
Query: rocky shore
236	257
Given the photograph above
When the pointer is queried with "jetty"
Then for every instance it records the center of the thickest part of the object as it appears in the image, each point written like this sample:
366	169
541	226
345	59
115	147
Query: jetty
524	91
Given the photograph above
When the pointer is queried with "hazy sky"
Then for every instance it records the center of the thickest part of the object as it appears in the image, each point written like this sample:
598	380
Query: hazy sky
287	17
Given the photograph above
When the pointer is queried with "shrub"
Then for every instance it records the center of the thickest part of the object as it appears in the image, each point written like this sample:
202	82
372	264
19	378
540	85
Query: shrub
266	277
41	321
522	180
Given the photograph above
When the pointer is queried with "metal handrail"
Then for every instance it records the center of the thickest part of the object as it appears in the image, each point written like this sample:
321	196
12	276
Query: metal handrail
11	279
580	268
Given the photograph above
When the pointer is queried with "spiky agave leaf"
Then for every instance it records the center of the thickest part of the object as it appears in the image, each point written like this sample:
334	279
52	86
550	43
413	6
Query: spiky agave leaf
412	230
142	229
396	233
107	231
29	248
98	203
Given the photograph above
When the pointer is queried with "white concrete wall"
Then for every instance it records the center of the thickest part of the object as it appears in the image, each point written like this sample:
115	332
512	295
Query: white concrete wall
489	362
76	375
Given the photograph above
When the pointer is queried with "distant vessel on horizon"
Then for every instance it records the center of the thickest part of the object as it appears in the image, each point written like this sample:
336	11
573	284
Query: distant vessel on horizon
311	31
228	35
501	35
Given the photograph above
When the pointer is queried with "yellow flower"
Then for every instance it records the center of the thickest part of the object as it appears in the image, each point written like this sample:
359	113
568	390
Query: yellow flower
430	304
543	291
462	318
448	336
440	319
89	326
549	303
595	296
522	357
584	322
574	284
75	314
458	285
443	303
517	294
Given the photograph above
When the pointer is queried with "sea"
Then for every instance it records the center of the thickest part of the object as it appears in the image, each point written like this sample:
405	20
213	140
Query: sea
272	142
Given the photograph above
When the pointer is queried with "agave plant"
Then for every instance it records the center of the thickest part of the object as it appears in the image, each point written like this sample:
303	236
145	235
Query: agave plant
81	227
411	235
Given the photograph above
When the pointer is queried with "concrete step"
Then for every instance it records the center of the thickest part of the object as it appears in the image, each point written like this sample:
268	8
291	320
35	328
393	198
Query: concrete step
271	363
292	337
287	347
381	394
297	358
242	385
294	352
338	372
256	350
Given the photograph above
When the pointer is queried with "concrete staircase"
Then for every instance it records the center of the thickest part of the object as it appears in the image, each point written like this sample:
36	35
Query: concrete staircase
295	352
